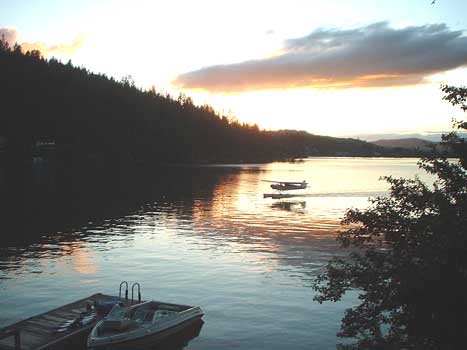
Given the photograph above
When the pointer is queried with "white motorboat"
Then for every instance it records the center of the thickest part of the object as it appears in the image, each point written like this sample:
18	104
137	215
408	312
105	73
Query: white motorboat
133	324
141	324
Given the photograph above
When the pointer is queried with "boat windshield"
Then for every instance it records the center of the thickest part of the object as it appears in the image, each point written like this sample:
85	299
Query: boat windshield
143	315
117	312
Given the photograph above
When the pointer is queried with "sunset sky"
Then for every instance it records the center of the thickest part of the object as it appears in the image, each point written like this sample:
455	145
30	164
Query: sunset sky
334	67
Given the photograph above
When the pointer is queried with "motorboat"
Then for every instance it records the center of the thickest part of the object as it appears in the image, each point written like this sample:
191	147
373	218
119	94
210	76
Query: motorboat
135	325
140	324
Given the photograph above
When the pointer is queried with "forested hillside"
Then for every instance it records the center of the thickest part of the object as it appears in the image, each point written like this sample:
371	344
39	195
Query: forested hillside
91	118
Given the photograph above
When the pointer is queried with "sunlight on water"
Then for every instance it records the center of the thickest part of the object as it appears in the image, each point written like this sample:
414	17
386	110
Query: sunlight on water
248	261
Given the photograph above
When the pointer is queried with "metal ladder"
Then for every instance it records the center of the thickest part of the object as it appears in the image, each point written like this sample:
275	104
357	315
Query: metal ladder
120	290
125	283
139	292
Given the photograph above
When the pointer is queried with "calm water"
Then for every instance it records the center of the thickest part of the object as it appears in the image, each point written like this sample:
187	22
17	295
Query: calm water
206	236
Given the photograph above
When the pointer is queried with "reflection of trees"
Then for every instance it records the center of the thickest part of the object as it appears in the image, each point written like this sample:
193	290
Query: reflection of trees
79	206
217	205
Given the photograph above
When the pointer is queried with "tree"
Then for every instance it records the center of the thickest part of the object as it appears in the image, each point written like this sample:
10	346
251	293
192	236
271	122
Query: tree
408	258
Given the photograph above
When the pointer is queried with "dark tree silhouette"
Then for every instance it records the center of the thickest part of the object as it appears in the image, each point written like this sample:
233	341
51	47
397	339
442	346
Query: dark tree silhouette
93	119
409	260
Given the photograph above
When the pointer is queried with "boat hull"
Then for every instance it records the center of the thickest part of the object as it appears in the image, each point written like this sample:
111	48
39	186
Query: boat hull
151	339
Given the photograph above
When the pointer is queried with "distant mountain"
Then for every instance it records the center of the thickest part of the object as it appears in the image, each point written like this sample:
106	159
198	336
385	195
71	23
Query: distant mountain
433	136
410	143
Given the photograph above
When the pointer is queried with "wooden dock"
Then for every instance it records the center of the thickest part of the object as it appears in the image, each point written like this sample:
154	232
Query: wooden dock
46	331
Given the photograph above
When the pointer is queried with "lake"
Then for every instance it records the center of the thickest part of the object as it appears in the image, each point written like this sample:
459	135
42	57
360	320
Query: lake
199	235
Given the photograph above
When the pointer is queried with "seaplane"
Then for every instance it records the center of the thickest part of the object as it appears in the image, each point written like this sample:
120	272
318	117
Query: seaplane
280	186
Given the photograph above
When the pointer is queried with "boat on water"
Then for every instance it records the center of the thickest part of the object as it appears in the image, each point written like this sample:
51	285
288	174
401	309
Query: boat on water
144	323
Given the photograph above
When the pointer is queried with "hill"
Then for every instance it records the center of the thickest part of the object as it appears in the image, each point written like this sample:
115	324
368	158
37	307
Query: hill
410	143
87	118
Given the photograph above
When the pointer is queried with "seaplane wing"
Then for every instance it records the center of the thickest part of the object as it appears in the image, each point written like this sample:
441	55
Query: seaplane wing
286	182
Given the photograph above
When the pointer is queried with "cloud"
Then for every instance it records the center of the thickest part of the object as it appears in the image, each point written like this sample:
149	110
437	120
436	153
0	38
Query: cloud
8	35
11	36
371	56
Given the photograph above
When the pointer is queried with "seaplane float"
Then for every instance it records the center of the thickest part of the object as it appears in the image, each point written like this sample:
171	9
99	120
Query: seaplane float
281	186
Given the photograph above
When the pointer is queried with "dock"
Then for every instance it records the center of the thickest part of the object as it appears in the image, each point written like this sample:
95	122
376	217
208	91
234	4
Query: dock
54	329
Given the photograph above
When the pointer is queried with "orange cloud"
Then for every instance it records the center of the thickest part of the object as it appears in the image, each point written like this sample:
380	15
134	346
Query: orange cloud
9	35
60	49
371	56
12	37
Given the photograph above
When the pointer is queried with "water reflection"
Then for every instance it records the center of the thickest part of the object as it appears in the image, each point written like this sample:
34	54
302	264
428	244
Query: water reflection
181	340
295	206
176	341
221	205
194	235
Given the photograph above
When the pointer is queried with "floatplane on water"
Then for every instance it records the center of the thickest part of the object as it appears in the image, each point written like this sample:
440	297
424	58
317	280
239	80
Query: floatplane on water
280	186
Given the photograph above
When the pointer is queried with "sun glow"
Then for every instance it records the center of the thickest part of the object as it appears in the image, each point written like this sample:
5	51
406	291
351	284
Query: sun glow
155	42
338	112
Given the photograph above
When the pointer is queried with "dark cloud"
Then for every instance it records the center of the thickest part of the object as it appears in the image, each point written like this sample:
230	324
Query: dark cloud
11	36
375	55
